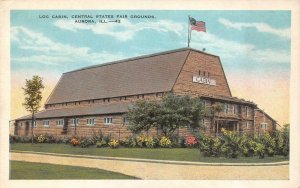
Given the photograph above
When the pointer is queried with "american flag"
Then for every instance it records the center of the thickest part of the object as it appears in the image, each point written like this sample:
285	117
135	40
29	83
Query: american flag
198	26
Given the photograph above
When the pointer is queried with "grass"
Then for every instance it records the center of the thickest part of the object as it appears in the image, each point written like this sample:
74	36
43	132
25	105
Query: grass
28	170
177	154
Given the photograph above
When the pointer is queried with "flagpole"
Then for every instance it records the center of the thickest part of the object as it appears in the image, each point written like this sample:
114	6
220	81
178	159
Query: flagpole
189	31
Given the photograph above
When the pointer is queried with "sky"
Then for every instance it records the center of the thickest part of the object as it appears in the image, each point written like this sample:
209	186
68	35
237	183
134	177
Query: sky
254	47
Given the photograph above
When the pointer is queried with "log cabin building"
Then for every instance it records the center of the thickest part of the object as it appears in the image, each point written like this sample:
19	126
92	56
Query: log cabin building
95	99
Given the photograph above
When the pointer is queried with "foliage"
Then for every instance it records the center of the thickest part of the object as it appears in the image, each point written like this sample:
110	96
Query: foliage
86	142
165	142
41	139
74	141
269	144
167	115
63	140
113	143
210	146
260	150
247	145
191	141
150	142
230	148
286	140
12	139
101	143
33	97
22	139
128	142
179	154
145	141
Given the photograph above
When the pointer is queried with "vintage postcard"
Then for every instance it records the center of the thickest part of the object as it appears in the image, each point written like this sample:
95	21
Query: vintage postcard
115	95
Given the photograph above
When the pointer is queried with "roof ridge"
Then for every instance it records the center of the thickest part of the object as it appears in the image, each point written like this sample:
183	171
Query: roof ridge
138	57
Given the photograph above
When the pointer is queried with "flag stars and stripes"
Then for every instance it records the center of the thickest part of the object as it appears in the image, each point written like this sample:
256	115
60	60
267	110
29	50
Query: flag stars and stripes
198	26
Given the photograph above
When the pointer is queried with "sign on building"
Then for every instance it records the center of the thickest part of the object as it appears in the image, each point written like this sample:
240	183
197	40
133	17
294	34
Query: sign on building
204	80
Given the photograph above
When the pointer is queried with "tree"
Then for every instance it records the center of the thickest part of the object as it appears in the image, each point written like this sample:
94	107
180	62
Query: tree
33	97
167	115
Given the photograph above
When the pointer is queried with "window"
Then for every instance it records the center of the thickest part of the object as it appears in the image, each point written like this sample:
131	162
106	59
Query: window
125	121
263	125
225	107
107	120
90	121
246	109
236	109
59	123
239	110
75	120
125	98
204	103
247	124
46	123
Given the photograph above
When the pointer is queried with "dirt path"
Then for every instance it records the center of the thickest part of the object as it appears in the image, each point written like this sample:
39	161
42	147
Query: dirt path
148	170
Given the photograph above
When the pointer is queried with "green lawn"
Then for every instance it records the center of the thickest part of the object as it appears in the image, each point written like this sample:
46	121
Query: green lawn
178	154
28	170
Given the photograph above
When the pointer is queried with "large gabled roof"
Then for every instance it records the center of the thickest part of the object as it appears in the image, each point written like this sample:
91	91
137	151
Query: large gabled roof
144	74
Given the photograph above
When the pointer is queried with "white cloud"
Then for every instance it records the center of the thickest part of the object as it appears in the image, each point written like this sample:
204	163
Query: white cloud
230	49
259	26
51	52
125	30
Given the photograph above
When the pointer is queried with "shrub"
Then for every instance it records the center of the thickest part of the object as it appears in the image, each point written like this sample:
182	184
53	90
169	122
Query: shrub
49	139
25	139
165	142
216	146
260	150
63	140
209	146
113	143
286	140
132	142
191	141
125	142
86	142
12	139
140	140
230	148
41	139
247	146
144	141
74	141
269	144
101	143
150	142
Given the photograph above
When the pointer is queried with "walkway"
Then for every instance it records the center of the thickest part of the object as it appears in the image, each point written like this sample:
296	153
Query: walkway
156	169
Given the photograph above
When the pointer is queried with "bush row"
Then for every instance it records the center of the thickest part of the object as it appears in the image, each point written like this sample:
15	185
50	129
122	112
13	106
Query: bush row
141	141
231	145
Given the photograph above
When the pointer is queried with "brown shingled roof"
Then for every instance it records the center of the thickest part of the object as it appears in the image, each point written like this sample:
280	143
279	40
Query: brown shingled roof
229	99
144	74
81	111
